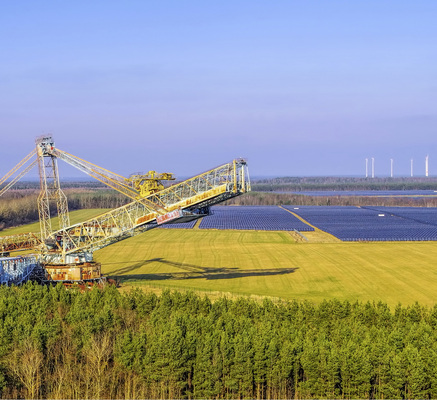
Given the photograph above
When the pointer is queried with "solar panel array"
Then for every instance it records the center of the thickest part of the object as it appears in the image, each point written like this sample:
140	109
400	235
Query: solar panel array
263	218
350	223
427	215
180	225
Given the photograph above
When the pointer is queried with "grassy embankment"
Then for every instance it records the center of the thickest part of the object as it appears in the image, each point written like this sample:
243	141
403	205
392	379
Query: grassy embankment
277	264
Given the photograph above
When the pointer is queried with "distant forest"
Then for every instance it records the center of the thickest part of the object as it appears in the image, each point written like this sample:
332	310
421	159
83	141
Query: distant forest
293	184
343	183
275	199
18	206
59	343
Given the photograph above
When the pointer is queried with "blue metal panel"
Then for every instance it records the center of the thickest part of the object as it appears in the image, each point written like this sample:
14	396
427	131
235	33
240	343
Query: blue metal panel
15	270
266	218
350	223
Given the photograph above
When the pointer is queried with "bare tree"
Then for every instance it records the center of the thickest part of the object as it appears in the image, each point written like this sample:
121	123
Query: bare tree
25	364
98	355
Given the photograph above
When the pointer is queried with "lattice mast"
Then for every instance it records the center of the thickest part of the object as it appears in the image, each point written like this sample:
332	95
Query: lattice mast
50	188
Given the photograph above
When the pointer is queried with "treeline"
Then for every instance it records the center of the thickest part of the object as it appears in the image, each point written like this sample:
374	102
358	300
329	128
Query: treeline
58	343
296	183
18	207
343	183
65	184
276	199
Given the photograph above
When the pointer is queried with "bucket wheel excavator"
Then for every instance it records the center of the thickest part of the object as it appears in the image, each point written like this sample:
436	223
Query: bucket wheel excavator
66	254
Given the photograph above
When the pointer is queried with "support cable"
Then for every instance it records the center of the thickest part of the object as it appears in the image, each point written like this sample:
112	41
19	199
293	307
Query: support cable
17	178
16	169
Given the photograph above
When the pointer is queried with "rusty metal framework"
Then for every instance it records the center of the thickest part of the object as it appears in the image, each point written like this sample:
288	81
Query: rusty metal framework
21	241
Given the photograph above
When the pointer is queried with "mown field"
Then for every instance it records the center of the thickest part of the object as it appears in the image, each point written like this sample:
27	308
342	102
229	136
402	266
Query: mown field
274	264
75	217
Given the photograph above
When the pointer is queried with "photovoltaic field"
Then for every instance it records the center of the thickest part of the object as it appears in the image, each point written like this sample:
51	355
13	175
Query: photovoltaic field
426	215
262	218
347	223
372	224
184	225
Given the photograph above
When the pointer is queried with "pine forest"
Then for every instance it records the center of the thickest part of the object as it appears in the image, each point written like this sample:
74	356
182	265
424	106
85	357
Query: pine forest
103	343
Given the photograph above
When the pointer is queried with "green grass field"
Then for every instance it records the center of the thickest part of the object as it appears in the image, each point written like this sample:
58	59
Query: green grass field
275	264
75	217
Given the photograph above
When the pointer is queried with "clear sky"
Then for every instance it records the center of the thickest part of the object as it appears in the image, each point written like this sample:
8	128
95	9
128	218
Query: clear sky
297	87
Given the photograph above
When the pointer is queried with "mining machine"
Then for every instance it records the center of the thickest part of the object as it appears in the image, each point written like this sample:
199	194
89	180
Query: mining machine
66	254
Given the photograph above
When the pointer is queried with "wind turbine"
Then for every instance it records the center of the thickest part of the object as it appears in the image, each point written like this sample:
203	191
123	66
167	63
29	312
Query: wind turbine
427	165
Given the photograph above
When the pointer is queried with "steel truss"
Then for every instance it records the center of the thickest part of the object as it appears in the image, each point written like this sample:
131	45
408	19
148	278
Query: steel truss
105	176
180	202
192	197
50	188
21	241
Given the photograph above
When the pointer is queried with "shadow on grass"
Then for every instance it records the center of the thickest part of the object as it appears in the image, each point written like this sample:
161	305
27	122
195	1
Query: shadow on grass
191	271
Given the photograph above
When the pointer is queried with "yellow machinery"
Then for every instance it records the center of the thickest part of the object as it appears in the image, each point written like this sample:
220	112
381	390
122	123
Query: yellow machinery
150	182
152	204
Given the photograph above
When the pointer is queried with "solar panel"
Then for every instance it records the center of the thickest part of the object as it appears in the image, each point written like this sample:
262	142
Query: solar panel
181	225
350	223
426	215
267	218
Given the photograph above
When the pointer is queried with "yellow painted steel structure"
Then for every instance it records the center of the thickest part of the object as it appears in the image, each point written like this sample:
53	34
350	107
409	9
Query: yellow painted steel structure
152	204
16	170
111	179
149	183
50	187
191	197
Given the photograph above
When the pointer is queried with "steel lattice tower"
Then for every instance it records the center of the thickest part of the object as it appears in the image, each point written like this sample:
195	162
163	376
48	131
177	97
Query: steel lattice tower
50	188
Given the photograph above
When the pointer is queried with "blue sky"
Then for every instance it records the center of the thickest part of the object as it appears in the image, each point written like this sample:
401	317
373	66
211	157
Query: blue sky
297	87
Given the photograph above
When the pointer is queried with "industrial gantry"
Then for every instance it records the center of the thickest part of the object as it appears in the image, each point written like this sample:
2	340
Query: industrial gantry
66	254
